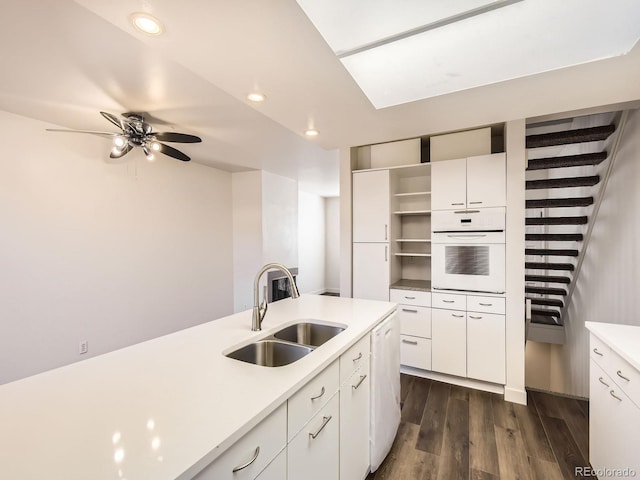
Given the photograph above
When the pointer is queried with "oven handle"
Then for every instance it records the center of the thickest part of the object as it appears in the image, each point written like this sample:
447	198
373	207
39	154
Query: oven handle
466	236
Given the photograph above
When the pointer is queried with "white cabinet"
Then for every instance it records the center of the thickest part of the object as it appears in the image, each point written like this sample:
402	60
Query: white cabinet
449	342
371	271
354	415
313	454
473	182
371	206
277	470
414	314
486	347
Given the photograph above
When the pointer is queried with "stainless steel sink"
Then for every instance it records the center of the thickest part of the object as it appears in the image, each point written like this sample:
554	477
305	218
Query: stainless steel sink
270	353
308	333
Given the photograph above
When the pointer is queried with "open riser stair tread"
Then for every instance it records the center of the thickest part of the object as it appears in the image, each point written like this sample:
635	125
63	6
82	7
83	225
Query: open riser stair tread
545	290
559	202
548	302
549	266
567	161
554	237
547	279
581	135
552	252
579	220
545	319
567	182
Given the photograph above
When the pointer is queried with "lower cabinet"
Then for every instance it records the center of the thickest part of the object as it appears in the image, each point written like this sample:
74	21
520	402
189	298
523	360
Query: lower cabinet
354	425
277	470
449	345
313	454
486	347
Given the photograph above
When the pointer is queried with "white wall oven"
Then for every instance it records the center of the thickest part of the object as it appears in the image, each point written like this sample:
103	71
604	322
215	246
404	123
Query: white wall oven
468	250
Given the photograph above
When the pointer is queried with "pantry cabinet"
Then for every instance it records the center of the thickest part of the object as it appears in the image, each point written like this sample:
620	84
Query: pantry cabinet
371	206
371	271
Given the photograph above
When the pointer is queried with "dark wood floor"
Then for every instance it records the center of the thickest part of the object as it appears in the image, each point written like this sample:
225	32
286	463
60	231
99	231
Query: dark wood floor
450	432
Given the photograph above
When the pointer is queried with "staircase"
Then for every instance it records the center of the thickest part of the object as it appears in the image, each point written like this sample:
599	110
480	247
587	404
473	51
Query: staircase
563	179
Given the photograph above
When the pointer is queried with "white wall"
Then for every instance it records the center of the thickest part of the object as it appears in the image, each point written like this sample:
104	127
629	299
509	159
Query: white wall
112	254
311	243
607	288
332	244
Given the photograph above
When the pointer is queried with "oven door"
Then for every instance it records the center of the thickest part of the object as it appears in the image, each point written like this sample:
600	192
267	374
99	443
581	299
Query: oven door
468	263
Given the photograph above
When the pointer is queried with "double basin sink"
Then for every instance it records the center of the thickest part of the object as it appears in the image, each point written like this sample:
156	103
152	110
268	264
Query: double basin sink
287	345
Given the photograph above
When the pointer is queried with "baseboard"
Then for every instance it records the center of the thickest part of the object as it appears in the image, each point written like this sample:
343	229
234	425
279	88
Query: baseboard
515	395
462	382
331	290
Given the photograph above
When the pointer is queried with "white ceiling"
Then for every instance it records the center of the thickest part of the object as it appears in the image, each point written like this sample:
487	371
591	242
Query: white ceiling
64	61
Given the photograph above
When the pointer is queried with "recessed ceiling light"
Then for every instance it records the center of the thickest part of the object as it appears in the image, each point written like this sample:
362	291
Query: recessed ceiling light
147	23
256	97
312	132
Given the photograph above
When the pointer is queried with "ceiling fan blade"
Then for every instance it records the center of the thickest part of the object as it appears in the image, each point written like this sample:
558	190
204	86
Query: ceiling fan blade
172	152
104	134
177	137
126	149
113	119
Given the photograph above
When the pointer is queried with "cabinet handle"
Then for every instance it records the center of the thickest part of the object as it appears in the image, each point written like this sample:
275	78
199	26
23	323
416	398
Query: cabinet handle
474	203
486	304
622	376
318	396
457	316
448	301
603	382
362	377
242	467
615	396
456	204
358	357
325	420
595	350
386	231
410	342
409	310
409	298
475	318
386	253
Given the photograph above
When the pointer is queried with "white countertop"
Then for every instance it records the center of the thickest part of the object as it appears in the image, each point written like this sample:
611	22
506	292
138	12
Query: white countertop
623	339
169	405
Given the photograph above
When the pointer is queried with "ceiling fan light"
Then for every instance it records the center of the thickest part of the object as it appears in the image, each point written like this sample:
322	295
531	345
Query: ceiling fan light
155	146
147	23
116	150
119	142
151	157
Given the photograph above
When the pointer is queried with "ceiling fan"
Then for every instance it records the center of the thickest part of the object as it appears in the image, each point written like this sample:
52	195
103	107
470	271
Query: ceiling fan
138	133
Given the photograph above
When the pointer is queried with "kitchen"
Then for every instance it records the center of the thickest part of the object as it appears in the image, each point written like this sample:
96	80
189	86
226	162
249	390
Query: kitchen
119	254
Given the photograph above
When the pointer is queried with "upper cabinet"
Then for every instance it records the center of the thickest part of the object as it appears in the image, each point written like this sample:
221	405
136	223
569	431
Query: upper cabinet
371	206
473	182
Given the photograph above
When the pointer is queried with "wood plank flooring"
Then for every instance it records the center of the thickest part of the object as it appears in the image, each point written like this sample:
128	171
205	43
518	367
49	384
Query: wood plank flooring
454	433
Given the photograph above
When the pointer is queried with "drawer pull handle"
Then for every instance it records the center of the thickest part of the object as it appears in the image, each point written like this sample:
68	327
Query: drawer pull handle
486	304
410	342
459	203
474	203
448	301
242	467
615	396
409	310
475	318
457	316
622	376
358	357
603	382
410	298
595	350
362	377
325	420
318	396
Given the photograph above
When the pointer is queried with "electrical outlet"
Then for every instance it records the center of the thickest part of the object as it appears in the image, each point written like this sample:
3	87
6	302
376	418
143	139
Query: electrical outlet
83	347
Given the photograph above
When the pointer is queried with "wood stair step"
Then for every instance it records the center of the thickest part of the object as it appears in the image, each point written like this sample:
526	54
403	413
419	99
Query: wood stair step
567	137
549	266
547	279
551	252
567	161
548	302
567	182
580	220
554	237
559	202
544	318
545	290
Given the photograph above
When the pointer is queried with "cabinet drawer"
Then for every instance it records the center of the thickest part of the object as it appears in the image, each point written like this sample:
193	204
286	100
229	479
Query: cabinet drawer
486	304
415	352
305	403
415	321
255	450
353	358
627	377
449	301
410	297
599	352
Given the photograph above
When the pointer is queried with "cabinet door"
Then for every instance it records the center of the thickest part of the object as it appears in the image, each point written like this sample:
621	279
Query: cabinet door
449	184
449	342
277	470
371	271
354	426
486	347
371	206
314	453
599	419
487	181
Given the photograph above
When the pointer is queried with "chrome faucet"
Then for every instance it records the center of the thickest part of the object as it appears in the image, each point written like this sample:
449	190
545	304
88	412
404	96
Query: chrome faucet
260	309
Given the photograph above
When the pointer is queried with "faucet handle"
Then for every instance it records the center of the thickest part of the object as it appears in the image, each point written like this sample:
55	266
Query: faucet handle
264	304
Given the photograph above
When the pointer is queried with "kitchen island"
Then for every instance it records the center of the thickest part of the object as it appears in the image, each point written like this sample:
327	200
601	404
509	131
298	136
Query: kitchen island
165	408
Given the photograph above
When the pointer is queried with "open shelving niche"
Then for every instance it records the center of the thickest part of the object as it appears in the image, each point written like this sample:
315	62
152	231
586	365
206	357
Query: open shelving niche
411	226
